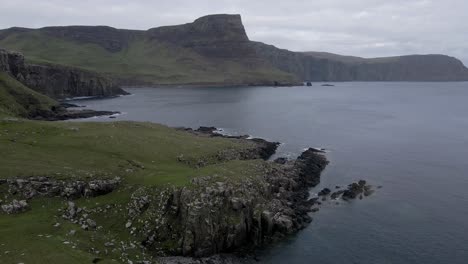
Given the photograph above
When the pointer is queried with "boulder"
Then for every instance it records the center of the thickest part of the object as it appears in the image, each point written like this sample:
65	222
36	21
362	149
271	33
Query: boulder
324	192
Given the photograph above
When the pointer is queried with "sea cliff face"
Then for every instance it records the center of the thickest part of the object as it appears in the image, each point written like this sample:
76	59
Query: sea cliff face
57	81
213	49
215	217
319	66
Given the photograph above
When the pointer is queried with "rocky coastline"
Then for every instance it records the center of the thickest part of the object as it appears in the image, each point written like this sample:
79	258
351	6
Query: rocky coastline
208	218
64	112
212	220
57	81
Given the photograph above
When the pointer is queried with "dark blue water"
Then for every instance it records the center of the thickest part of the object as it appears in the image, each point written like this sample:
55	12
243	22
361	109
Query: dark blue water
411	138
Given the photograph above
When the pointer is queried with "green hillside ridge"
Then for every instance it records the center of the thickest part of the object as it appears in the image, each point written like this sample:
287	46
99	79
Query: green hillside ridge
18	100
152	57
212	50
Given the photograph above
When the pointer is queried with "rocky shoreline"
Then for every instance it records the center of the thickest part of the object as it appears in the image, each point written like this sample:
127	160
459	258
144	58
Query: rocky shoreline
57	81
63	112
213	220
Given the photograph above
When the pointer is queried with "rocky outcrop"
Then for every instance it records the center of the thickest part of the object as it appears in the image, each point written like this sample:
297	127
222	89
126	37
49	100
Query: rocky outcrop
354	190
223	216
57	81
357	189
61	113
214	36
263	149
15	207
31	187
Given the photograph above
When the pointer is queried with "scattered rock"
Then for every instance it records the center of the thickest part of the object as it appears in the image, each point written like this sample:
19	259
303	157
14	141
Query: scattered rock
208	130
45	186
356	190
91	223
108	244
15	207
336	194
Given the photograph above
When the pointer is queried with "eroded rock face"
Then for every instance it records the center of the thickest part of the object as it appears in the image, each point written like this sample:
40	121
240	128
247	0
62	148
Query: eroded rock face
214	36
316	66
213	216
57	81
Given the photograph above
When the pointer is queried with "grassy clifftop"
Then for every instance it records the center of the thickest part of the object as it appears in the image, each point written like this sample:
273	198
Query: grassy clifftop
143	153
146	156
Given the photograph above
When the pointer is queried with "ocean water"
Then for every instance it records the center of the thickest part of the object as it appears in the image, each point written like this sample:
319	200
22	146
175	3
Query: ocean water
411	138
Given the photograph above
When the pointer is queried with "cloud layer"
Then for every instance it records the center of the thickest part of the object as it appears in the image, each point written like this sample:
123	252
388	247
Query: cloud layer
368	28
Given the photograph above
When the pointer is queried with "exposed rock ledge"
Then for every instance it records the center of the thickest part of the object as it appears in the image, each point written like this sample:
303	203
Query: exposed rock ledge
57	81
217	217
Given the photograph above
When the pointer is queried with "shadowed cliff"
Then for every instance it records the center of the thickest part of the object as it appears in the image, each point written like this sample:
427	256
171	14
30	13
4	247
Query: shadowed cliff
56	81
322	66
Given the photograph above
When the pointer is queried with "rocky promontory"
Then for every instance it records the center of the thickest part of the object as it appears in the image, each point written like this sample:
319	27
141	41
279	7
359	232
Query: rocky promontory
57	81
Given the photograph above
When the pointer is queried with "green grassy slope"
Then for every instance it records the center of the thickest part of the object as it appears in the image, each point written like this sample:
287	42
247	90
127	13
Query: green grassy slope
143	154
142	60
90	150
18	100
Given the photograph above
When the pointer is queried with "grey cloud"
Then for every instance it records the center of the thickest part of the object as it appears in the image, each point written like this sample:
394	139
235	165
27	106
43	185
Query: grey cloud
365	28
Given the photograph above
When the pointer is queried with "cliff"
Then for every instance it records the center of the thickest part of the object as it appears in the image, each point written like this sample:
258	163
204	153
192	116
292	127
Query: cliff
16	100
130	192
321	66
212	50
56	81
216	36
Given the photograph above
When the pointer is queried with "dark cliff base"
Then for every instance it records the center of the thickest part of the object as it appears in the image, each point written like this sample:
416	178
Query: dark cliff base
57	81
60	114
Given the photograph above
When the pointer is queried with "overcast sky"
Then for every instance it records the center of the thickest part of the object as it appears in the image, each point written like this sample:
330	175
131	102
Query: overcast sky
365	28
